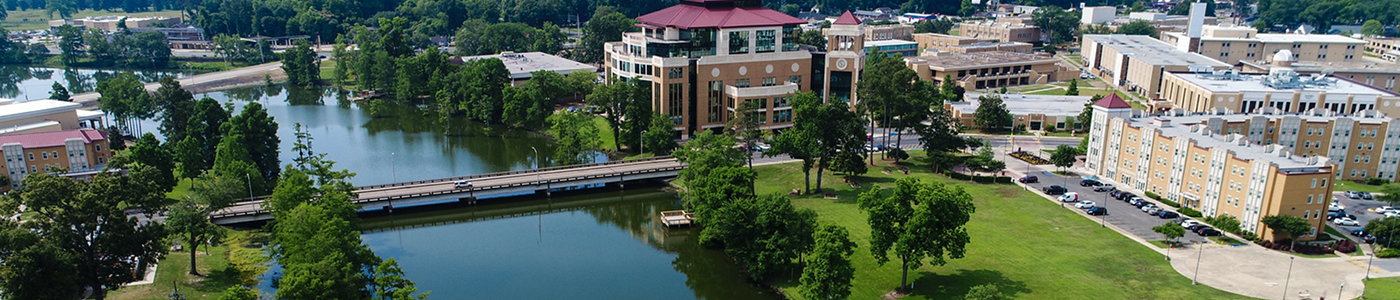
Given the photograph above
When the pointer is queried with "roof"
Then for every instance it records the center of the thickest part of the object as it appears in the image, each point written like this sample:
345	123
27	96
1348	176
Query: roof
1112	102
1306	38
1202	136
1153	51
1362	66
889	43
1253	83
35	108
522	64
687	16
1023	104
53	138
979	59
846	19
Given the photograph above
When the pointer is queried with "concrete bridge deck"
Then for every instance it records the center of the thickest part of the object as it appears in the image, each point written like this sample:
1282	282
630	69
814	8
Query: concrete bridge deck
493	185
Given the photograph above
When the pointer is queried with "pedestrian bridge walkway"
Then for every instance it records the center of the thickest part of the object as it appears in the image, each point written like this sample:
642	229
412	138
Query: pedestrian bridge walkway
484	186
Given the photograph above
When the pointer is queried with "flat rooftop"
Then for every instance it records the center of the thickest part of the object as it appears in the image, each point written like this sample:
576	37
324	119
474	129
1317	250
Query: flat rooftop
521	64
1281	38
1022	104
1200	118
952	37
991	45
889	43
1254	83
955	60
1249	151
36	108
1344	66
1153	51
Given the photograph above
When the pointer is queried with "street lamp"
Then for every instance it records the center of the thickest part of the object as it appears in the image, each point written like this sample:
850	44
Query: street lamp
392	171
641	145
1368	264
1290	277
1200	251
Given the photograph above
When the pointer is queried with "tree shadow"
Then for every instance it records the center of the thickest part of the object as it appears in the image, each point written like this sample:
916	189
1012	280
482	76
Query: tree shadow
956	285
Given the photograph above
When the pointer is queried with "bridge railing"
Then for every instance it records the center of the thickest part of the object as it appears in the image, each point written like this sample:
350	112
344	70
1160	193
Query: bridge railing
259	209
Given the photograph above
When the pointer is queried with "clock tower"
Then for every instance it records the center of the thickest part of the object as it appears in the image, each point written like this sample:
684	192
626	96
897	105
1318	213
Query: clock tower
845	43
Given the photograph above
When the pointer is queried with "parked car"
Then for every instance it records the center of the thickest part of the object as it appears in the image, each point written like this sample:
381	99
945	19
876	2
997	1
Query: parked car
1386	209
1345	222
1054	190
1139	203
1146	205
1104	188
1084	204
1153	210
1366	195
1339	214
1358	232
1125	196
1097	210
1207	231
1029	179
1336	207
1069	197
1115	193
1090	182
1189	223
1352	194
1167	214
1196	227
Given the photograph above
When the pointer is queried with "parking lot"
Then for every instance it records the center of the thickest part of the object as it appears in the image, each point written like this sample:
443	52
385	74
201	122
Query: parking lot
1120	213
1360	208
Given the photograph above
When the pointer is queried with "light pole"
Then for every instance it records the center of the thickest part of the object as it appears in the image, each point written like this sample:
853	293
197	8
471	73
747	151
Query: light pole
392	171
1340	289
641	145
1200	251
537	163
250	185
1290	277
1368	264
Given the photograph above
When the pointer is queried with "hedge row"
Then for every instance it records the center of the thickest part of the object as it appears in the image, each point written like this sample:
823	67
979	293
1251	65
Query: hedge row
1189	212
978	179
1163	200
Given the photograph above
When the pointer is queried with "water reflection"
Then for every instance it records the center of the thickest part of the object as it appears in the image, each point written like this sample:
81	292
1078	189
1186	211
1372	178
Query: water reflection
23	82
603	244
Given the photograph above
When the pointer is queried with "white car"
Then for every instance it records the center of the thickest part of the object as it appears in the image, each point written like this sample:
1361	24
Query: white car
1336	207
1189	223
1345	222
1392	214
1069	197
1386	210
1148	207
1084	204
1153	210
462	184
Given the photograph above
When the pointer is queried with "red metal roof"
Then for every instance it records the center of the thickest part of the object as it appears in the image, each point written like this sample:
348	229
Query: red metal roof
1112	101
53	138
846	19
690	16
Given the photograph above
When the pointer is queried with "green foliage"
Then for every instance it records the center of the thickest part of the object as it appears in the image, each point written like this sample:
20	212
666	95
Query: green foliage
575	136
1389	193
1182	10
59	93
765	233
176	108
660	137
603	27
148	152
239	293
1372	28
829	272
942	25
1139	27
390	284
189	218
1064	156
1294	226
301	65
1189	212
259	139
984	292
1171	230
1086	116
1384	228
621	101
1225	223
917	220
803	140
1073	89
992	114
1059	22
814	38
87	222
985	161
125	97
481	37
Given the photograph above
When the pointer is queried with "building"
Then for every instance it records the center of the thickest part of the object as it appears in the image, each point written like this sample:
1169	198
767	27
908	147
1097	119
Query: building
1003	30
1098	15
1281	89
1036	112
892	47
1232	44
987	70
1387	48
73	150
1380	75
113	23
45	116
521	65
1137	62
702	58
911	18
889	32
1217	174
965	45
182	36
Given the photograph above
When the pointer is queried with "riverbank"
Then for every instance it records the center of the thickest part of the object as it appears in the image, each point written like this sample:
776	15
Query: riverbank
236	262
1029	247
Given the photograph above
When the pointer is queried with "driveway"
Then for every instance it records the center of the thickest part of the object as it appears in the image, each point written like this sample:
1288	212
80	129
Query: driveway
1126	216
1258	272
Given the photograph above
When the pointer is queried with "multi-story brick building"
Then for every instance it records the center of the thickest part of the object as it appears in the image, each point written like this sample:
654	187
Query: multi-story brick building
73	150
1217	174
1361	146
965	45
889	32
1014	29
1281	89
1232	44
45	115
1380	75
1137	62
990	69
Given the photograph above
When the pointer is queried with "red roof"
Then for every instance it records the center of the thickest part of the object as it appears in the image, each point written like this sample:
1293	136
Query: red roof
846	19
53	138
1112	101
690	16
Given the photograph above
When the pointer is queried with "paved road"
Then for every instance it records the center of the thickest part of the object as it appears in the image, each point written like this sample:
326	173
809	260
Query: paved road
1120	213
253	71
1360	208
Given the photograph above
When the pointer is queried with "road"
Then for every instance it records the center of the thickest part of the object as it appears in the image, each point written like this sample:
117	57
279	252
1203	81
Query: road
1120	213
255	71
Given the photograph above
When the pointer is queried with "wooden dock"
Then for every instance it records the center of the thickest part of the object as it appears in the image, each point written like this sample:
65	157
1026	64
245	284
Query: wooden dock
677	218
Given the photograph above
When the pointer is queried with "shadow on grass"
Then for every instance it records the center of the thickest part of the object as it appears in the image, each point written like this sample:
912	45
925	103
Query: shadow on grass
954	286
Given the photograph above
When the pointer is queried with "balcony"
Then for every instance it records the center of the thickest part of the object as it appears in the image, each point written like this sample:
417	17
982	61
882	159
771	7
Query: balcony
761	91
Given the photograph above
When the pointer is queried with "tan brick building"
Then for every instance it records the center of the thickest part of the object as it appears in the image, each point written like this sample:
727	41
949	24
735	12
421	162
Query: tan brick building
44	116
1014	29
988	70
965	45
32	153
1281	89
1137	62
1232	44
1036	112
1380	75
1216	173
889	32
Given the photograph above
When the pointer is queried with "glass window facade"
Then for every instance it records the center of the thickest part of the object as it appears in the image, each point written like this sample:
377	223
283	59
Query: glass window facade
738	42
767	39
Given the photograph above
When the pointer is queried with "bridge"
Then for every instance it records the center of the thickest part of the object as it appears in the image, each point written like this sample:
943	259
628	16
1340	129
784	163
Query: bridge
484	186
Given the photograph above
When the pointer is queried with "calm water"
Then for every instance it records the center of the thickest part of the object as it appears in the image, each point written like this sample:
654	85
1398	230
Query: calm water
23	83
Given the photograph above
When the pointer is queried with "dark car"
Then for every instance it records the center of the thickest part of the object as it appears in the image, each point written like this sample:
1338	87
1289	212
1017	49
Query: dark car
1029	179
1207	231
1090	182
1167	214
1097	210
1114	193
1054	190
1335	215
1367	196
1197	227
1125	196
1104	188
1358	232
1139	203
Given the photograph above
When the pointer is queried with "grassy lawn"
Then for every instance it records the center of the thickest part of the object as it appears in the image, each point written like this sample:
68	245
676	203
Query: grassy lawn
35	19
226	266
1225	240
328	70
1355	186
1383	288
1030	247
605	133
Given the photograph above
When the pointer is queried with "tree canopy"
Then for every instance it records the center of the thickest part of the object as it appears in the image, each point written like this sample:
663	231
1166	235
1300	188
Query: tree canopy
916	221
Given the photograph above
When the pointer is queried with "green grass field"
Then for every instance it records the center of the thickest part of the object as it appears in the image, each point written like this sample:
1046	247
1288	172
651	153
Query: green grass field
1355	186
1383	288
35	19
235	263
1030	247
605	134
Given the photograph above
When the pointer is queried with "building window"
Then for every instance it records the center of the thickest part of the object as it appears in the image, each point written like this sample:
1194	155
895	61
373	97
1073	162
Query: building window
675	73
98	147
743	83
45	155
738	42
795	79
770	81
766	40
31	156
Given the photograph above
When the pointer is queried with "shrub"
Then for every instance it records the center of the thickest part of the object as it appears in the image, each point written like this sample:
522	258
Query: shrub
1189	212
1388	253
1376	181
1345	246
1003	179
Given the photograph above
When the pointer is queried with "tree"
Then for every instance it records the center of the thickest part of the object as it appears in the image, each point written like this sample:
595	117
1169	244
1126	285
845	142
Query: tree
64	8
617	98
813	38
828	273
714	176
660	137
148	151
985	161
1073	89
1065	156
197	151
125	98
744	126
259	134
576	137
1384	228
88	221
70	42
1226	223
301	65
1086	116
189	218
991	113
942	25
177	107
917	220
1390	193
1171	230
390	284
764	233
967	8
605	26
1138	27
1373	28
232	161
1184	8
239	293
802	140
59	93
984	292
1059	23
1292	225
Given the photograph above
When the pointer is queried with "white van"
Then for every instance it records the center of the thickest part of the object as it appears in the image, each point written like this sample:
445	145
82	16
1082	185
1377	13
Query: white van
461	184
1069	197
